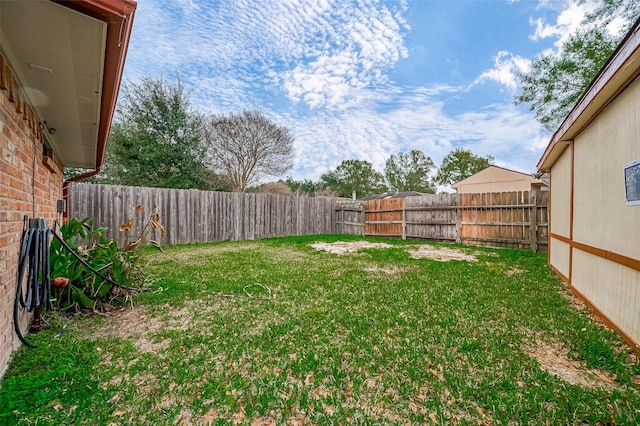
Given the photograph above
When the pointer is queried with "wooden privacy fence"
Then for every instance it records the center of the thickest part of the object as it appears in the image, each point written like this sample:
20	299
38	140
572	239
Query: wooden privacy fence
192	216
349	218
509	219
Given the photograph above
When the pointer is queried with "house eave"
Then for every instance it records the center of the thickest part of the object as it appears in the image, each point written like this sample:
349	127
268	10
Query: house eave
620	70
68	58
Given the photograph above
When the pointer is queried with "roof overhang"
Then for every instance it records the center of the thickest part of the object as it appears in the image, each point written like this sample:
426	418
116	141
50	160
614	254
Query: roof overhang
619	72
68	57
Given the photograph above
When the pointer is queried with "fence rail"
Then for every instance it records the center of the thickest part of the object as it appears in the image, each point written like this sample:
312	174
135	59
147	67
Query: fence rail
192	216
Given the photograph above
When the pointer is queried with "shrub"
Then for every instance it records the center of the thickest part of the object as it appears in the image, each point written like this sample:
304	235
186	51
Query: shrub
119	273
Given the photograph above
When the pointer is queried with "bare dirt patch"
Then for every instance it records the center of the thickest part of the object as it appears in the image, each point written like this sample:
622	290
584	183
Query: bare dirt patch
442	254
342	247
125	323
196	254
553	360
514	271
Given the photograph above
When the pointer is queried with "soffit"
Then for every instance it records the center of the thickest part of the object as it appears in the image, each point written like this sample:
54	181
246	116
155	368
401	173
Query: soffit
58	56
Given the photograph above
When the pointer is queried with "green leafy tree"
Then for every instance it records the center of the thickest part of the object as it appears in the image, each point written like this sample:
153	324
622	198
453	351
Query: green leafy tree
155	139
247	147
555	82
354	178
460	164
409	171
302	187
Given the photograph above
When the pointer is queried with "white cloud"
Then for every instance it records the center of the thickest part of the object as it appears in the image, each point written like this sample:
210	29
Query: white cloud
418	121
506	65
357	46
318	52
567	22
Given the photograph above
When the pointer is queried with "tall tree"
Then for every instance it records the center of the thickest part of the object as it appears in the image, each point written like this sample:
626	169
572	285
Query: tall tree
354	178
409	171
247	147
460	164
155	139
556	81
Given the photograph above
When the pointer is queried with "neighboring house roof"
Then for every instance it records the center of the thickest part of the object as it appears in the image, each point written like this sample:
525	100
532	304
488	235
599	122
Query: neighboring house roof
504	175
622	68
68	57
387	195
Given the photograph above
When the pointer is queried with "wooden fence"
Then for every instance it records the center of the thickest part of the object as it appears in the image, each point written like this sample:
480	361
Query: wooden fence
513	219
508	219
192	216
349	218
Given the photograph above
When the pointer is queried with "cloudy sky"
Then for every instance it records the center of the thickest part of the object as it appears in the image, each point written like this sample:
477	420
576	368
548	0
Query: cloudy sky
361	79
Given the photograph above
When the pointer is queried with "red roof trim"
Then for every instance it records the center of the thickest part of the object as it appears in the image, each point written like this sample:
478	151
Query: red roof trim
118	14
627	48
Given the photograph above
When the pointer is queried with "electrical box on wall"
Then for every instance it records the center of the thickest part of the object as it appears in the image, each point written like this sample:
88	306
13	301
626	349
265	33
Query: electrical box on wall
61	206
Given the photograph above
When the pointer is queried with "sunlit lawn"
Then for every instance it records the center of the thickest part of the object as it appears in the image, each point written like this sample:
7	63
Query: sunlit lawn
276	332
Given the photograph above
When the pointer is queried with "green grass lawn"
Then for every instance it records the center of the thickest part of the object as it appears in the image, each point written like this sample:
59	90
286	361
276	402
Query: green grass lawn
276	332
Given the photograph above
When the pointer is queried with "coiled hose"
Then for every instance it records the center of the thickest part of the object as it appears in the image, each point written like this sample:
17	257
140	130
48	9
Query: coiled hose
34	254
33	259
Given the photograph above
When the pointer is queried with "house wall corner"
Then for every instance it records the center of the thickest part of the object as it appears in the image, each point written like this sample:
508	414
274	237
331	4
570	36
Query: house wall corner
30	185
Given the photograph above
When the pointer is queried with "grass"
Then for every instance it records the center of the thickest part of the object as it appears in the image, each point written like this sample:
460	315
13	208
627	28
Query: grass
373	337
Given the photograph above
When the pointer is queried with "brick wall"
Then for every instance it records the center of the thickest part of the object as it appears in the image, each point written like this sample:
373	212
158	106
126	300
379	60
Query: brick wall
20	194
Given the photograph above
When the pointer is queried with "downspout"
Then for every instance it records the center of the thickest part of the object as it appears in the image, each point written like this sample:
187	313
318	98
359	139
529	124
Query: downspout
65	187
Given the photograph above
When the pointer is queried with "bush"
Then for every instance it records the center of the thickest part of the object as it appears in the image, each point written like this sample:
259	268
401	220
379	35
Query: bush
77	286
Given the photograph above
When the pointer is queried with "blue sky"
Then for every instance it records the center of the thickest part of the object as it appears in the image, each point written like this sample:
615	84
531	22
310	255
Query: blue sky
361	79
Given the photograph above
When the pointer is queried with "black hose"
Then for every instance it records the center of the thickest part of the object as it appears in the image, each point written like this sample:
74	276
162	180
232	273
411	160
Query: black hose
34	254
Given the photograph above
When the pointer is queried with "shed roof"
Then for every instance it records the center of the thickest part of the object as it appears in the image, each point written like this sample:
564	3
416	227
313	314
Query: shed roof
387	195
477	177
622	68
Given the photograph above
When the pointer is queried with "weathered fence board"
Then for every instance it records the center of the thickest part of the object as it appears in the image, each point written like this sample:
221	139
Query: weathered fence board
350	218
431	217
384	218
192	216
513	219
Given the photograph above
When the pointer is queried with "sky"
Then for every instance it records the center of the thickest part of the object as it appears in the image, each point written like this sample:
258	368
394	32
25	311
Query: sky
361	79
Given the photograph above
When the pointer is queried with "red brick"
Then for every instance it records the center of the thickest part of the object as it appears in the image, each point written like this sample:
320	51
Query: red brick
16	197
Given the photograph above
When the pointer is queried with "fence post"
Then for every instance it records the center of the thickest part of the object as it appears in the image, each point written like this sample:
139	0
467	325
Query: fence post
533	222
404	221
458	220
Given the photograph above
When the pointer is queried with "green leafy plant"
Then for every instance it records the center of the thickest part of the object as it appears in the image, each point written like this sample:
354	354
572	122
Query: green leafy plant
119	274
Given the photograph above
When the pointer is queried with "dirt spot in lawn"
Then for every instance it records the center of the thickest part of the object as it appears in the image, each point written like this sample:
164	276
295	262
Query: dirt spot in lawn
126	323
514	271
196	254
442	254
136	324
552	358
342	247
